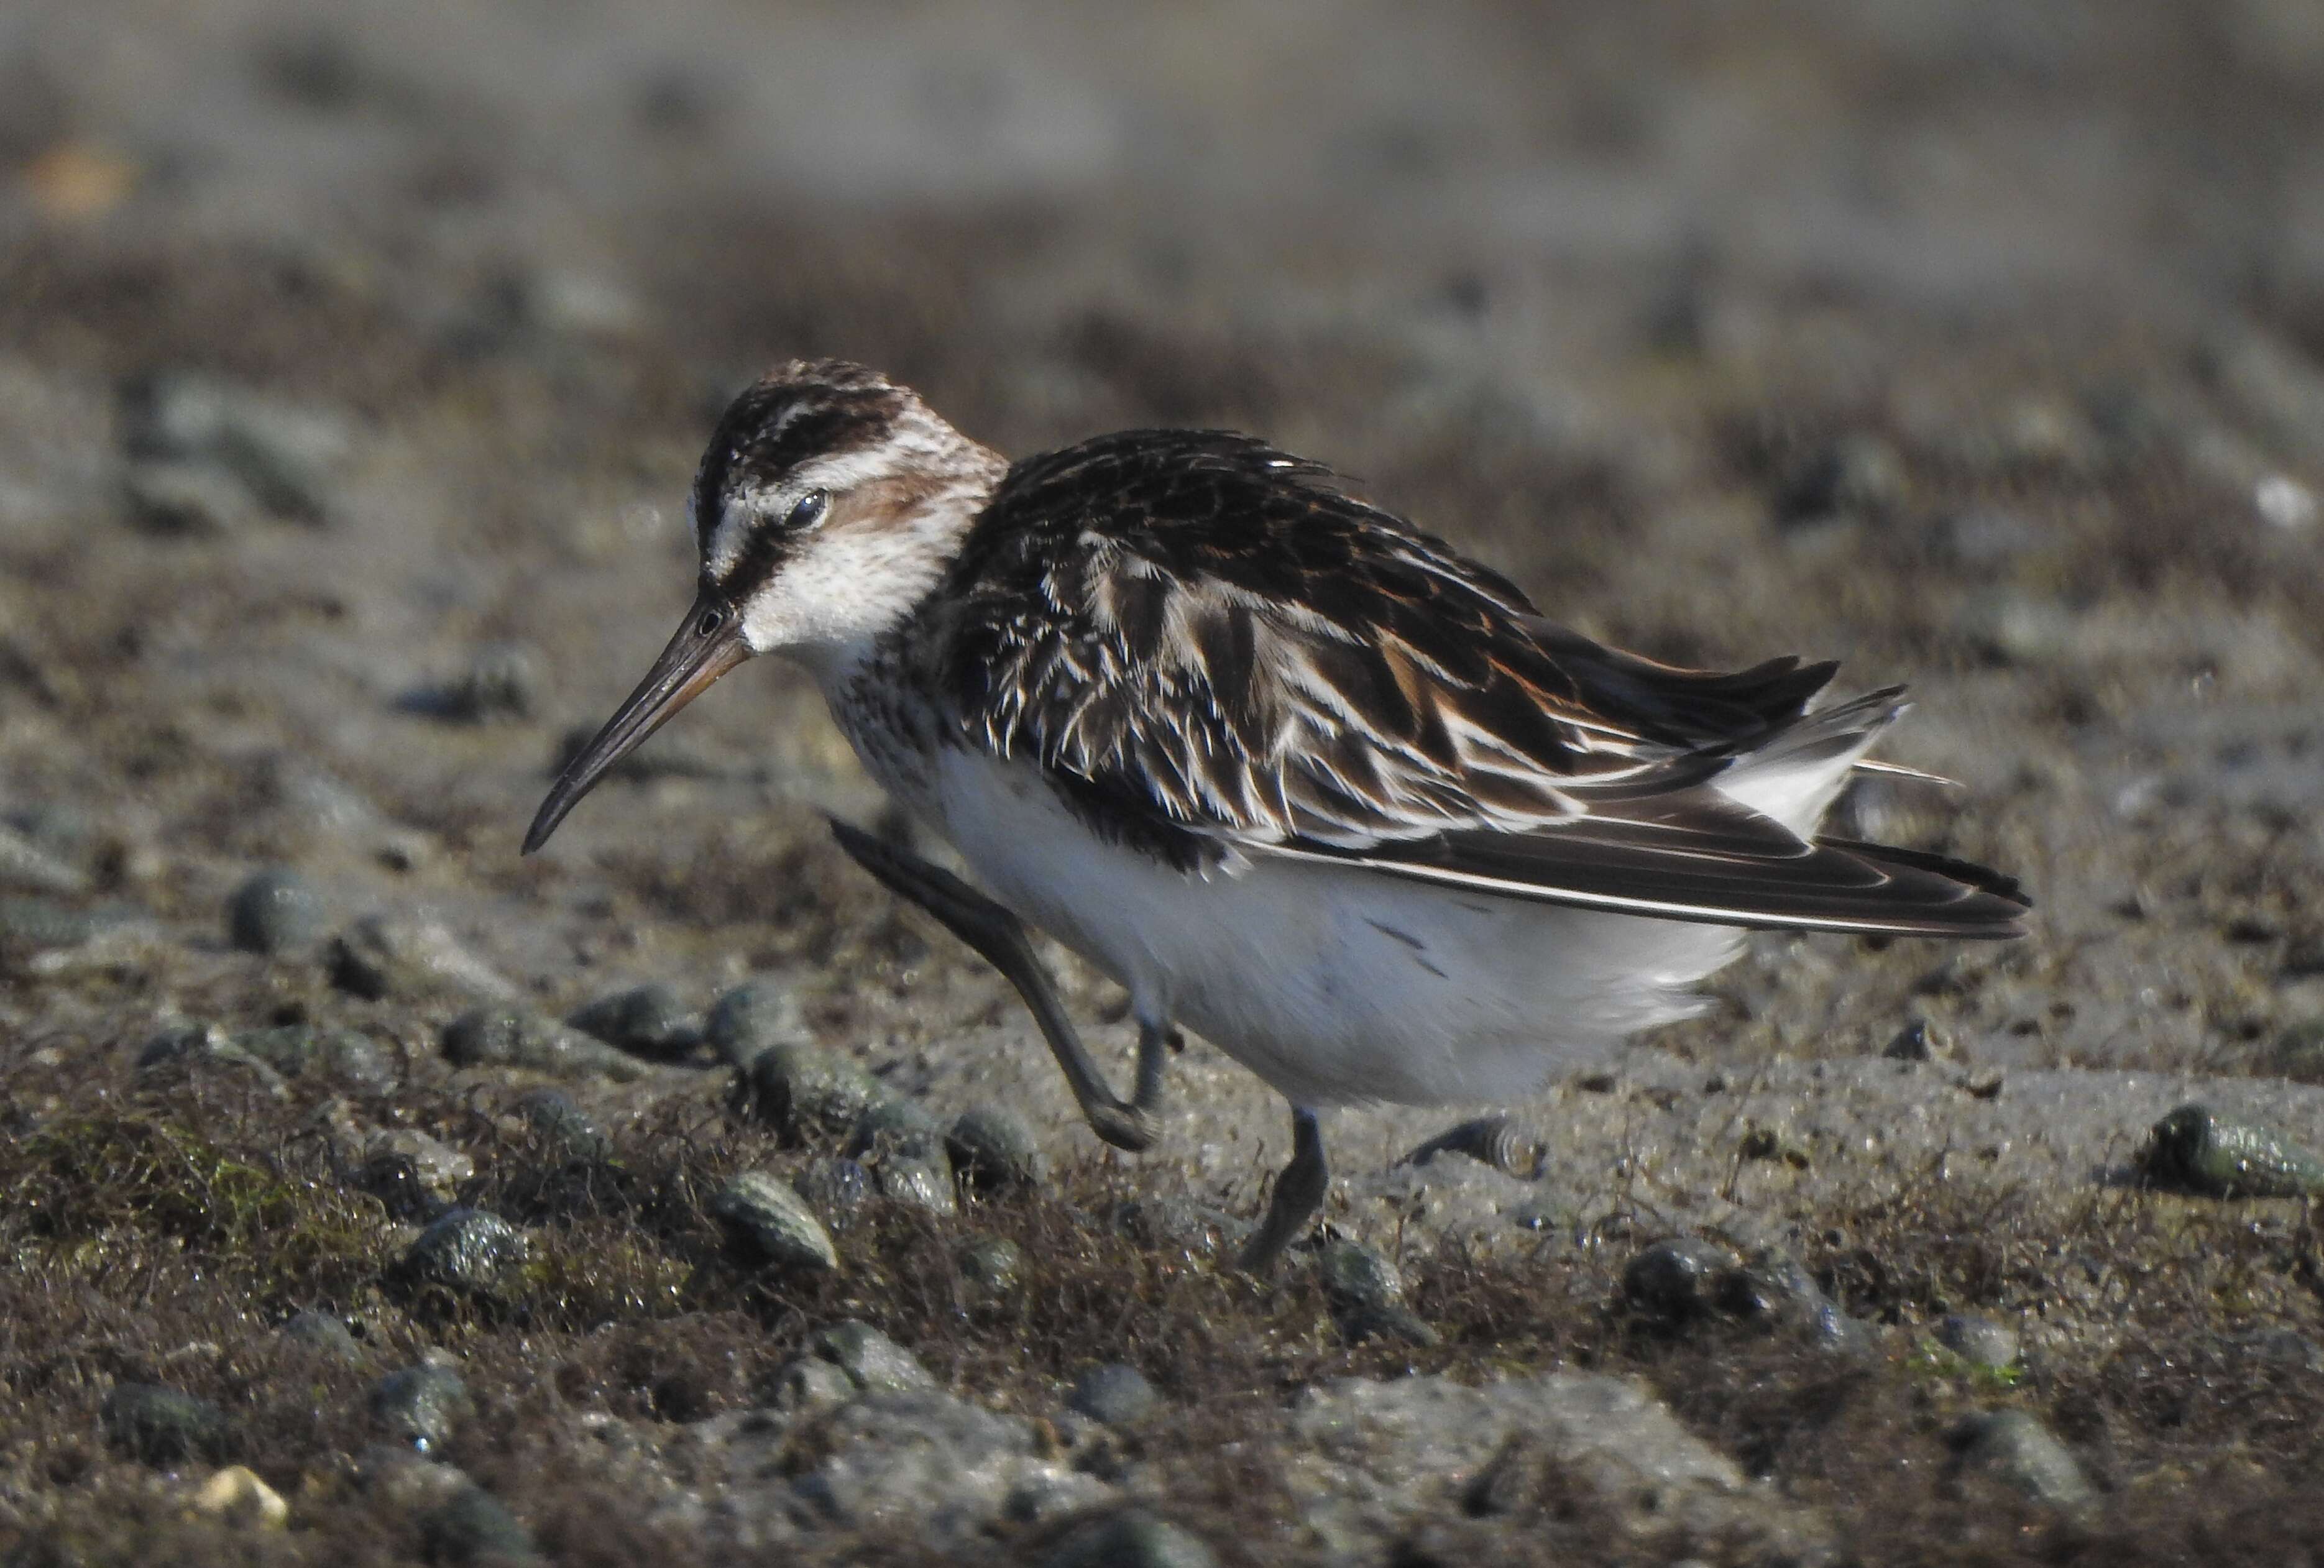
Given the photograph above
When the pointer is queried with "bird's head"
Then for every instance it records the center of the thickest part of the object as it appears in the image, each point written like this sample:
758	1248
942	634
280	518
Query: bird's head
828	504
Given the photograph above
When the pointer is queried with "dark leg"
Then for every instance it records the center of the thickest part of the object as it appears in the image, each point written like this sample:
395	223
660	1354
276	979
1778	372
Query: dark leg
1299	1194
999	937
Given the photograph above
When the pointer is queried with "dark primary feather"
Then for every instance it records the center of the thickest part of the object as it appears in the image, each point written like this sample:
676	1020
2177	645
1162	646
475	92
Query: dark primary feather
1213	650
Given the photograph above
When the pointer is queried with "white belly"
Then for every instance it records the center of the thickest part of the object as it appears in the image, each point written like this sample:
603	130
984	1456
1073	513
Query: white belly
1335	985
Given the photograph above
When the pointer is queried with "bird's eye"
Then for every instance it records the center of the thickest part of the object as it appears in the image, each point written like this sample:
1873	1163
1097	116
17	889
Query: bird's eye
711	621
809	510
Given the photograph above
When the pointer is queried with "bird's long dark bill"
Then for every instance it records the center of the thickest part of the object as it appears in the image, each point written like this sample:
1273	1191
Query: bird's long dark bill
695	657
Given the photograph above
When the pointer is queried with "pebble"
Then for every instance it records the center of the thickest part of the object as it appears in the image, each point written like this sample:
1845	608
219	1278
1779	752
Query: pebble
762	1208
992	1268
1388	1453
805	1384
649	1019
234	1496
164	1427
276	910
434	1164
993	1149
466	1250
569	1131
506	1037
297	1050
1675	1282
1499	1141
1132	1538
282	455
1366	1296
1857	475
952	1469
872	1361
325	1334
751	1018
473	1526
2197	1149
26	866
808	1092
1114	1393
404	956
2016	1448
194	499
921	1183
1922	1040
835	1188
503	680
423	1405
1979	1342
44	922
1775	1290
898	1129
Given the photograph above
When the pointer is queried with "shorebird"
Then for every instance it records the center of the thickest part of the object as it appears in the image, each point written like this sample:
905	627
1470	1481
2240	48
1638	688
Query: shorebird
1292	771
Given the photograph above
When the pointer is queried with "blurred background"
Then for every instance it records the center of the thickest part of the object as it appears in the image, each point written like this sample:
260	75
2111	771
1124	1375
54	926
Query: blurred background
353	358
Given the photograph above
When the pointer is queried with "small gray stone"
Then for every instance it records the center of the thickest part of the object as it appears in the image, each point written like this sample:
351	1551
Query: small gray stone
952	1469
274	911
325	1334
1366	1296
1921	1040
806	1384
751	1017
649	1019
921	1183
26	865
1113	1393
473	1526
166	496
835	1188
568	1130
506	1037
898	1128
762	1209
1979	1342
434	1164
466	1250
298	1050
1675	1281
2016	1448
872	1361
992	1148
281	455
1773	1290
423	1405
1132	1538
1857	475
991	1268
407	956
503	680
807	1093
164	1427
44	922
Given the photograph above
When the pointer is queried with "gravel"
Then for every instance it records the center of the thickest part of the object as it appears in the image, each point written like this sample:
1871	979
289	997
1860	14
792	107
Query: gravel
2016	1448
423	1406
276	910
467	1251
1114	1393
775	1222
164	1427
